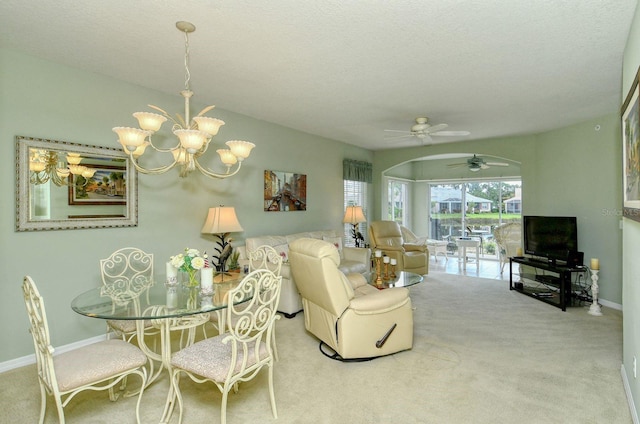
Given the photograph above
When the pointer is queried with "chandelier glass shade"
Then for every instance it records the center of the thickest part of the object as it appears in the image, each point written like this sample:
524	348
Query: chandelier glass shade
193	135
47	165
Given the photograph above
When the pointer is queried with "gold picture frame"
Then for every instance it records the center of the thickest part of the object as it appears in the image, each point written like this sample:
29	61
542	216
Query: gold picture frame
630	121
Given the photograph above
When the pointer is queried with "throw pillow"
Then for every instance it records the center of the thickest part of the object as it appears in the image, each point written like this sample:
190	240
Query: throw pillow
283	251
336	241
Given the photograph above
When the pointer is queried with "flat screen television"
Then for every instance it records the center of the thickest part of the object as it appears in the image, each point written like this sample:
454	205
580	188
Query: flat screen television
551	237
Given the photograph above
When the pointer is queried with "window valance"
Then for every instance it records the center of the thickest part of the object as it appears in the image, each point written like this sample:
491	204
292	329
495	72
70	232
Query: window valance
356	170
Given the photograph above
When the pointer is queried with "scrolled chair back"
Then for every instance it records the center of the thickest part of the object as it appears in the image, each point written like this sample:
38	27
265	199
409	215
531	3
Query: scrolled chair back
265	257
126	274
249	320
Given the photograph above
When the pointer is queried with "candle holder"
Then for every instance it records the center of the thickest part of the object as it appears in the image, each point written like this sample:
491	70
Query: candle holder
172	292
378	270
386	270
594	309
393	271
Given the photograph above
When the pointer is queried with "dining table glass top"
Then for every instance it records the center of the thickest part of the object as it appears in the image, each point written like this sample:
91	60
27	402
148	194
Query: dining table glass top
159	302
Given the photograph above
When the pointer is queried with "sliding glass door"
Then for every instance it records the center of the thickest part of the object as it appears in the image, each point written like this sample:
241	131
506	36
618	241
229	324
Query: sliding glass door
473	209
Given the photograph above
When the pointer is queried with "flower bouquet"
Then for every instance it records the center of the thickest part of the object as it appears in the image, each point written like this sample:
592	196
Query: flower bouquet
190	262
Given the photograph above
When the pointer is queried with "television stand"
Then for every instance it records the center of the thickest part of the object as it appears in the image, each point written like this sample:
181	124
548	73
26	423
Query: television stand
549	283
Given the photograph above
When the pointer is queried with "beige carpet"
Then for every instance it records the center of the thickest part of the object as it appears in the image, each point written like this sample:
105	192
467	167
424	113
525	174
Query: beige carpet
481	354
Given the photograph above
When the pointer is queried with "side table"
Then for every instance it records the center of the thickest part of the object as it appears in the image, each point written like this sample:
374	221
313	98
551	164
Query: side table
464	243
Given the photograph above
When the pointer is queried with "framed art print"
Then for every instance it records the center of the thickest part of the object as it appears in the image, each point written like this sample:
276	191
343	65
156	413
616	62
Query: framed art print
284	191
631	153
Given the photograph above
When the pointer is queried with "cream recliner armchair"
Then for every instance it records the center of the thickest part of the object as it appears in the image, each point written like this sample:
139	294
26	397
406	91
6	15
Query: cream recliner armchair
387	237
350	316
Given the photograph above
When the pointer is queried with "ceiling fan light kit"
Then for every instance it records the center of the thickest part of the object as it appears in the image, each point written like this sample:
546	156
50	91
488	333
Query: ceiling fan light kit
476	163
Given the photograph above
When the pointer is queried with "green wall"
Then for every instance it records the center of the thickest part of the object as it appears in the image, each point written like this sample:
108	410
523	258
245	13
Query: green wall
46	100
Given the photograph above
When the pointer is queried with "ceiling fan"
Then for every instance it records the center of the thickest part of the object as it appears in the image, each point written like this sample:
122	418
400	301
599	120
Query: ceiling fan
423	130
476	163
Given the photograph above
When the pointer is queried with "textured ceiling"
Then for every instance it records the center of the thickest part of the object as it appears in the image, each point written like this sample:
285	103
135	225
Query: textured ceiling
348	70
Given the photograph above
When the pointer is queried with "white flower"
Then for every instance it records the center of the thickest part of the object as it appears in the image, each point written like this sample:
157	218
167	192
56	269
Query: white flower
197	262
177	261
190	261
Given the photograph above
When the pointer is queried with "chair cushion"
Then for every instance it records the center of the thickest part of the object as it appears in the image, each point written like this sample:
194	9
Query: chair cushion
349	267
211	358
96	362
126	325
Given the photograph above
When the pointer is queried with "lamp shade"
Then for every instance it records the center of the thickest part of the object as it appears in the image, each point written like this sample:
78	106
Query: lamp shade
354	215
221	220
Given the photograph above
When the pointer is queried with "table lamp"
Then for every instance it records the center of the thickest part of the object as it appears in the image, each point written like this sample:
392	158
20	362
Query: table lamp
354	216
220	222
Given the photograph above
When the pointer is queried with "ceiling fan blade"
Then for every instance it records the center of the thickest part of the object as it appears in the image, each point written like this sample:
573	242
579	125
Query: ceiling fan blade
451	133
396	137
426	138
497	164
484	166
436	128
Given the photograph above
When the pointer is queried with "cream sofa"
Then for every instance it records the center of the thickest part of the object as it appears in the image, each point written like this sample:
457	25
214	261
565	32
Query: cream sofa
352	260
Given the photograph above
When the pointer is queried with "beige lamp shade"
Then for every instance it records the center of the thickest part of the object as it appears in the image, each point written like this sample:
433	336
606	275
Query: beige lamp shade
354	215
221	220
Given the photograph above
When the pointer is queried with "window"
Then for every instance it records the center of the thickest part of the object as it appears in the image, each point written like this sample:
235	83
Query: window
398	201
355	194
356	175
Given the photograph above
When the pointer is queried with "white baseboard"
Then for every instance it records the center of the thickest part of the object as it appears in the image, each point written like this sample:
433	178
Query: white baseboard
611	305
31	359
627	391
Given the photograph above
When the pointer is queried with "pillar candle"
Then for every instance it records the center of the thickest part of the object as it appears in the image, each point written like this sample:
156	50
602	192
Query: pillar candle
172	298
595	264
172	273
519	251
385	260
206	278
378	253
393	261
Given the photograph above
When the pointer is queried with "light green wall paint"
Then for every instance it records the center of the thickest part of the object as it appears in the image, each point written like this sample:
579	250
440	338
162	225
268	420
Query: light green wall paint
47	100
631	240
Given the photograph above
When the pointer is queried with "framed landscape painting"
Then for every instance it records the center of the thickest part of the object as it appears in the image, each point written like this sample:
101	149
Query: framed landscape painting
108	186
631	153
284	191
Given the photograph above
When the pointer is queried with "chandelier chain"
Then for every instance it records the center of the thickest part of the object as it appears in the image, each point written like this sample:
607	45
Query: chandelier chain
187	73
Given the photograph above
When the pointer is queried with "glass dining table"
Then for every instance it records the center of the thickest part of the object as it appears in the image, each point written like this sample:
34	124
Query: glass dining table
165	308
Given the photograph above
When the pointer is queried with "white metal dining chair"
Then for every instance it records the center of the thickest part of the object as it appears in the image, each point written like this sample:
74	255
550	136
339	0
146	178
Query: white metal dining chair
267	257
99	366
264	257
241	352
126	275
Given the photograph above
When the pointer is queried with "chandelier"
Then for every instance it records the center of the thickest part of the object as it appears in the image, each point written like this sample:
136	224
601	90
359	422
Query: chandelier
46	165
193	135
